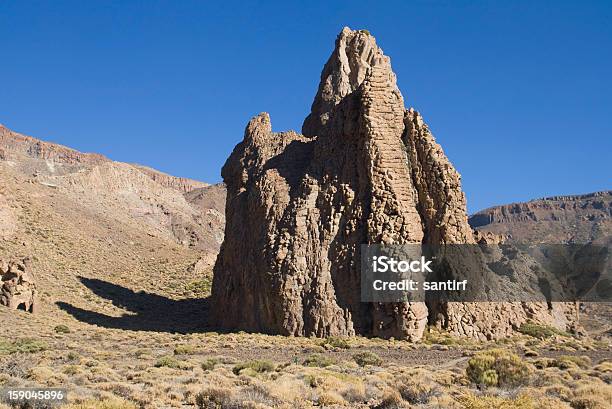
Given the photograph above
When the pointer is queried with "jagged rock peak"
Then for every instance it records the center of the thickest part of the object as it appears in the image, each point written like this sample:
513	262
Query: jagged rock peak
299	207
355	54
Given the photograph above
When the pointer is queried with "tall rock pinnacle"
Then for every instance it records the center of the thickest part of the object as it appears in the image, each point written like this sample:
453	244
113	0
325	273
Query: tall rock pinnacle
365	171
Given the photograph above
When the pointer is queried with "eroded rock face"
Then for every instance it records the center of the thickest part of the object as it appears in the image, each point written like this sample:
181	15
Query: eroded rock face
18	289
559	219
365	171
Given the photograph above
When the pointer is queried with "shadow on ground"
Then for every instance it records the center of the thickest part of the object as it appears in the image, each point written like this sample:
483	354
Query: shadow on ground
150	312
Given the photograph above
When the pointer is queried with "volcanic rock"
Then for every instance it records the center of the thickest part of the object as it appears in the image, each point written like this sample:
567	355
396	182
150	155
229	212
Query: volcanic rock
365	170
18	289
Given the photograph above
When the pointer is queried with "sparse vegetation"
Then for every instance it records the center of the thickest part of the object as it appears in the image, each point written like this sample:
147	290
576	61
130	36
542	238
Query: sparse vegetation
23	345
113	403
157	364
472	401
564	362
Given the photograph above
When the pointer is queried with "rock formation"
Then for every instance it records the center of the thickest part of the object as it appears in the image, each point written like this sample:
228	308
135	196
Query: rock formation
365	170
18	289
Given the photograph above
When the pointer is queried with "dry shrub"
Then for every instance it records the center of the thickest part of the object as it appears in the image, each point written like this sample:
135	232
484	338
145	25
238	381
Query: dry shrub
470	401
391	399
355	393
256	395
17	365
46	376
122	390
416	388
528	399
559	391
443	401
603	371
102	404
593	397
288	388
330	398
212	398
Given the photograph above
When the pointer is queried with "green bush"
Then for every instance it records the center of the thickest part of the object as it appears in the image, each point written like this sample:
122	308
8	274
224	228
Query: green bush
212	398
199	288
23	345
489	378
256	366
171	362
540	331
563	362
62	329
497	367
367	358
319	360
209	364
336	342
185	350
569	361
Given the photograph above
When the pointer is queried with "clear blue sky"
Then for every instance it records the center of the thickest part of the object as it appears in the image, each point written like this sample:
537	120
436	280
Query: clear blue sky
519	95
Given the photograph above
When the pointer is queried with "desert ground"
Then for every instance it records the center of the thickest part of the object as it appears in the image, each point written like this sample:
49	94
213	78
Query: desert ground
122	324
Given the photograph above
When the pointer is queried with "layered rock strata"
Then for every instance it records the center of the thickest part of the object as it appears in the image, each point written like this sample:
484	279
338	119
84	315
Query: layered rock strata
365	170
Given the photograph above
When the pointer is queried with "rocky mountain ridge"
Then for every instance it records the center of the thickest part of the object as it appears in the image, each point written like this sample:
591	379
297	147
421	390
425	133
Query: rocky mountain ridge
131	193
556	219
18	148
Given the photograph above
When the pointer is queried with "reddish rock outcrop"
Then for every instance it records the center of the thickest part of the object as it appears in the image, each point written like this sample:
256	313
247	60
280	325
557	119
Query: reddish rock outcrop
18	289
365	171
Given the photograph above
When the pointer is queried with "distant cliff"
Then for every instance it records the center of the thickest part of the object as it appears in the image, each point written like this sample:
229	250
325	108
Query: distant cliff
556	219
